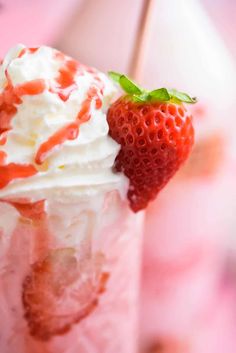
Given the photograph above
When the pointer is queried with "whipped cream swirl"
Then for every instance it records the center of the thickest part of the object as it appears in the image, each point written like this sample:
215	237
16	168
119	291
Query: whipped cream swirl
57	125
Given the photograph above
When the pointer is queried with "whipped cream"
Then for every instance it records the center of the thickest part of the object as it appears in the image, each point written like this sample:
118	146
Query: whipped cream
81	165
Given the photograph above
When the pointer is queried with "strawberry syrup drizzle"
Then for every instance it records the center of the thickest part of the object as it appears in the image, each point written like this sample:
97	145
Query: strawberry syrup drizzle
65	81
3	157
3	138
28	209
11	97
27	50
70	131
8	100
13	171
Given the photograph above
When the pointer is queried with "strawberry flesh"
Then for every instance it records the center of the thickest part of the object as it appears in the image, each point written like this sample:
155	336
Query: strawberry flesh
60	291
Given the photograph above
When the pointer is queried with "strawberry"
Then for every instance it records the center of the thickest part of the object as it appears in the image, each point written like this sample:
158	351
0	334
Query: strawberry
61	291
155	133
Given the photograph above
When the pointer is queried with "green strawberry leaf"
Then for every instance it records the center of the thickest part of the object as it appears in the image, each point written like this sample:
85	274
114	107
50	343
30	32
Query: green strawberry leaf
129	86
160	94
144	97
115	76
139	94
181	96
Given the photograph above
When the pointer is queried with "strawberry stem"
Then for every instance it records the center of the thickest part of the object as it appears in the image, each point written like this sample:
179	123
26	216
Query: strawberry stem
138	94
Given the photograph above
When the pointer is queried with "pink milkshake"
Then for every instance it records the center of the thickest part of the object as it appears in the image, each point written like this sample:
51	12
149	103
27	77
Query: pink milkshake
70	245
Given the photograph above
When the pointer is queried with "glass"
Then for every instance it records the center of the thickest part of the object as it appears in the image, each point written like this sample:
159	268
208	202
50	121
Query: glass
69	274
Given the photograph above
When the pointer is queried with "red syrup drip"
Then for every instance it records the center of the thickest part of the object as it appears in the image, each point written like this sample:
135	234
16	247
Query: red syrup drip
65	81
3	138
70	131
27	208
27	50
30	88
13	171
65	85
9	99
3	157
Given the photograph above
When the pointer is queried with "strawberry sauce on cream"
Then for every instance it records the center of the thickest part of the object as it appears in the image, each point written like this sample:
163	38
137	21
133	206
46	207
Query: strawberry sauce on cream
9	99
45	98
70	131
66	77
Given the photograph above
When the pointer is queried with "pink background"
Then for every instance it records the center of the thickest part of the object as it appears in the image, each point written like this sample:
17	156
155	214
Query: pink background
33	22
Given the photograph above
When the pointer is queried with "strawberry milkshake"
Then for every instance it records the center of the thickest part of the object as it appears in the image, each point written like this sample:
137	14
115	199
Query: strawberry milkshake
69	243
75	168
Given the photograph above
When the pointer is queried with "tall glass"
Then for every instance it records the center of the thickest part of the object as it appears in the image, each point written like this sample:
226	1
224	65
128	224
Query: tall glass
69	273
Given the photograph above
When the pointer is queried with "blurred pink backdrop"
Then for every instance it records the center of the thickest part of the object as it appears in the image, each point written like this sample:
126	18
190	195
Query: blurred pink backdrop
102	33
223	13
33	22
